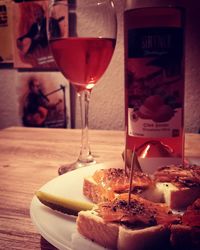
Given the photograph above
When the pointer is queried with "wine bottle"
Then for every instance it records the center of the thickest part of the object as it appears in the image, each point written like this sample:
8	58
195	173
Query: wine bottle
154	84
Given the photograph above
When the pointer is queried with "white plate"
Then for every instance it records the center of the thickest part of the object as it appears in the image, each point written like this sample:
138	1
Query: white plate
57	228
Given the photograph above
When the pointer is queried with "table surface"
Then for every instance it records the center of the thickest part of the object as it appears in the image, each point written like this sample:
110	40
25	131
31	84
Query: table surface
30	157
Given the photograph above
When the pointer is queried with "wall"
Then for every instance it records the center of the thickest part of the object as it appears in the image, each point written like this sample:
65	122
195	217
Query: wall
9	115
107	99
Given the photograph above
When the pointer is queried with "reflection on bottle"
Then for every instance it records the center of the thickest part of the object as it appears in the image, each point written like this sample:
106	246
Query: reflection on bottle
154	149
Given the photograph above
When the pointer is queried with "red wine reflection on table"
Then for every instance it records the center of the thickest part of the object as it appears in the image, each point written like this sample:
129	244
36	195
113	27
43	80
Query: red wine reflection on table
83	60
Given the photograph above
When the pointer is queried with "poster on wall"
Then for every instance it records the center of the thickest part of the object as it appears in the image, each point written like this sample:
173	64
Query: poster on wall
6	50
30	44
44	99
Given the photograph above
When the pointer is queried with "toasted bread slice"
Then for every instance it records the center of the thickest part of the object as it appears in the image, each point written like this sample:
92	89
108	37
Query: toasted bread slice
115	236
93	227
185	237
107	189
180	184
154	237
91	191
128	222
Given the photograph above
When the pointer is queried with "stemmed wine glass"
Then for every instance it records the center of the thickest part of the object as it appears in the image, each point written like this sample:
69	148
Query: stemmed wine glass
82	37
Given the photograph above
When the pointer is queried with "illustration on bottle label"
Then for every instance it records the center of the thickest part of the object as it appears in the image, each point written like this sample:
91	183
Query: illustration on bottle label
154	81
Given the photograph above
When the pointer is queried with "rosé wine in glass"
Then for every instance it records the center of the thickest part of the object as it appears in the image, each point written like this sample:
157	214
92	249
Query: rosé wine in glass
83	60
82	36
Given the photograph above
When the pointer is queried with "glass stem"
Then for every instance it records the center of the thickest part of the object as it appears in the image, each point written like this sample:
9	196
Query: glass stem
85	155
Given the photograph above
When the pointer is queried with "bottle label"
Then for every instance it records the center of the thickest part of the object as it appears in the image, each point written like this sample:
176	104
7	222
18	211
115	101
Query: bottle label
154	81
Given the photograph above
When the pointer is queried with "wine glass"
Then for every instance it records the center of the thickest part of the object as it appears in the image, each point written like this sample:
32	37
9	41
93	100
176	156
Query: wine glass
82	37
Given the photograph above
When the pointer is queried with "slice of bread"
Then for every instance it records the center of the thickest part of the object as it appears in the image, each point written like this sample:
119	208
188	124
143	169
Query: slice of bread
180	185
128	222
93	227
154	237
98	192
116	236
178	198
185	237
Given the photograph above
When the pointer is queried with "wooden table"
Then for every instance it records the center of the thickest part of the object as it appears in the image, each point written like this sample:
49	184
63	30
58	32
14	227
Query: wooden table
30	157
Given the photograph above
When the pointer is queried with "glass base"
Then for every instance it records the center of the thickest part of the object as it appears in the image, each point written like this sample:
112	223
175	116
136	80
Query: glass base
72	166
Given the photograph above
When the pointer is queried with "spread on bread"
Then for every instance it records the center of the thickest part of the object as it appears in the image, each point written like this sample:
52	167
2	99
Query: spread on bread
140	212
118	181
106	184
179	175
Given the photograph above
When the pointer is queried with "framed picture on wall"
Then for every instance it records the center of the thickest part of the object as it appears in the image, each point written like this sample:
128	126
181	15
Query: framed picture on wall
30	44
6	49
44	99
